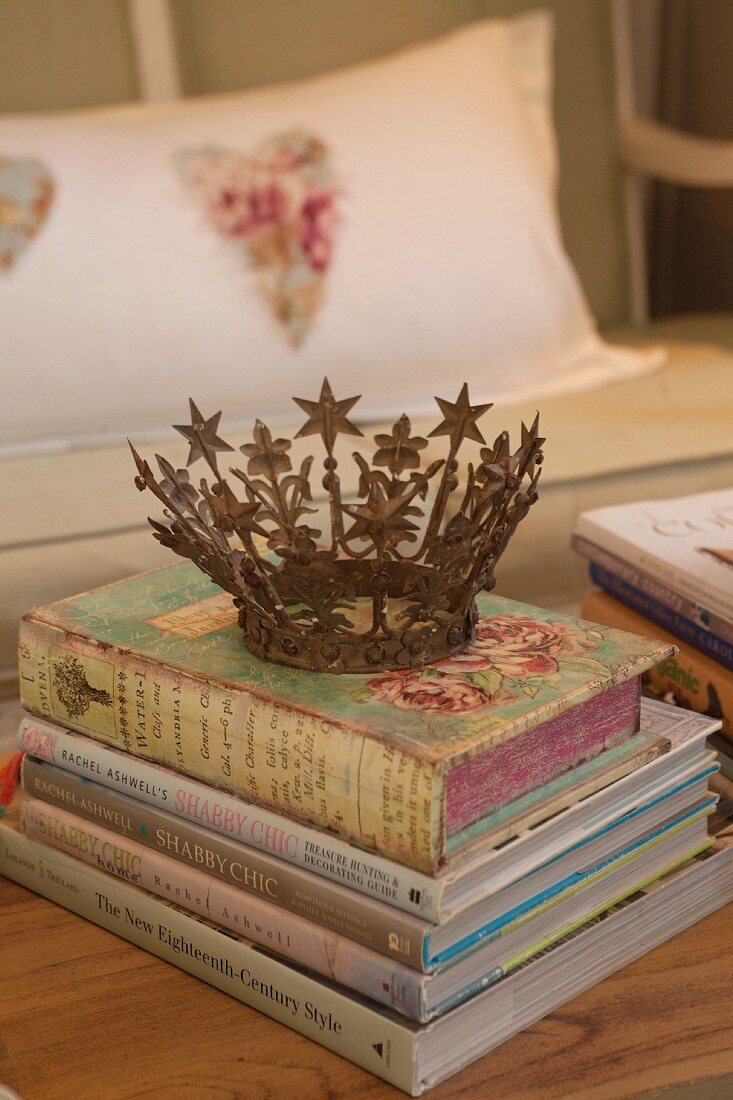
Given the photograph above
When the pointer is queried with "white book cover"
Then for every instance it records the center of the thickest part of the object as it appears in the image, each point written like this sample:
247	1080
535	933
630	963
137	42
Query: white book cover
687	542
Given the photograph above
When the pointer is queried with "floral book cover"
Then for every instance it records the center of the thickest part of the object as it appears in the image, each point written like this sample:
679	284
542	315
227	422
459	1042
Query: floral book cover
526	666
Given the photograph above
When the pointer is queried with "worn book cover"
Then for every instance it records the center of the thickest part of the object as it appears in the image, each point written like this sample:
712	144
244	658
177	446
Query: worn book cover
157	666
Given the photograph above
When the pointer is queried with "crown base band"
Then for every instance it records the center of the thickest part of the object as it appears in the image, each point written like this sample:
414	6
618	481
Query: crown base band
361	654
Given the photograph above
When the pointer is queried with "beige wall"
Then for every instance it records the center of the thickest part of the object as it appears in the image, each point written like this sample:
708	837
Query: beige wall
64	53
76	53
228	44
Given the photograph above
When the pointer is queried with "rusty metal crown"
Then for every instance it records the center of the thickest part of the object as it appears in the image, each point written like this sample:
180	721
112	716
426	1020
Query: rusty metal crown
392	584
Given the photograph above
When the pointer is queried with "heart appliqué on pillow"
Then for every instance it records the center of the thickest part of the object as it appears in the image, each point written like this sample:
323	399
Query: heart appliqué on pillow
26	194
279	206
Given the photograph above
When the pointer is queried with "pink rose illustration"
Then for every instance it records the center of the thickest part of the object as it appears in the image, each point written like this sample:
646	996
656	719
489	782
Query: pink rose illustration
240	197
470	659
38	743
434	694
515	645
519	646
279	204
319	223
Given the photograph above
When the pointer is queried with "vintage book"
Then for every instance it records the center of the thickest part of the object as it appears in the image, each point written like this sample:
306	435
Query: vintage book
689	631
286	894
689	677
401	762
520	931
703	616
686	543
411	1057
587	799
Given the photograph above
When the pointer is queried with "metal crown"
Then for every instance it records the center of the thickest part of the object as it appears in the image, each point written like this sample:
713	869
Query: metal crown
392	584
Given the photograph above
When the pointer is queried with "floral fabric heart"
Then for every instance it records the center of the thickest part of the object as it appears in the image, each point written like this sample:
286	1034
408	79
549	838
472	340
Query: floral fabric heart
279	206
26	194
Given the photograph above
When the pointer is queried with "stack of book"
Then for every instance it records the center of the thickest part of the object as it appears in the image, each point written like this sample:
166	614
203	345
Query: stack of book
407	868
665	569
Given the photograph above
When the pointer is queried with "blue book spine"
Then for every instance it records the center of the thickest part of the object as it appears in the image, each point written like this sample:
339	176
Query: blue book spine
676	624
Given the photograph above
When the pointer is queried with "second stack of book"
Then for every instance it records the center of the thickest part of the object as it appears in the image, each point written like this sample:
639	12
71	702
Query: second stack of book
665	569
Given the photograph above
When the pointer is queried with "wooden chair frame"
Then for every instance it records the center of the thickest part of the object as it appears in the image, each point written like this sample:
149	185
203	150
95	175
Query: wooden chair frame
651	150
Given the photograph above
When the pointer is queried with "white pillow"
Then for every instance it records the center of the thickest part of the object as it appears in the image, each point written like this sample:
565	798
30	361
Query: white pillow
398	213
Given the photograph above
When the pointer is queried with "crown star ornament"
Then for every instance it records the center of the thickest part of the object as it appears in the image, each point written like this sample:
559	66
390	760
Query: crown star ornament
387	581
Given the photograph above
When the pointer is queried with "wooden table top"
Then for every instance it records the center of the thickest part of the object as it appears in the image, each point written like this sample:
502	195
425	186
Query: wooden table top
85	1015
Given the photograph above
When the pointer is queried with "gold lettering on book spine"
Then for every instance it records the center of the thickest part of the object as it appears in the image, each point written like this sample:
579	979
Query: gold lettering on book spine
292	762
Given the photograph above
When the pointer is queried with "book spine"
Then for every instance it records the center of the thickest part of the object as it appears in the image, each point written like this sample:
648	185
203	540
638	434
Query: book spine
677	624
697	613
362	920
286	760
661	570
286	934
325	855
347	1026
690	677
